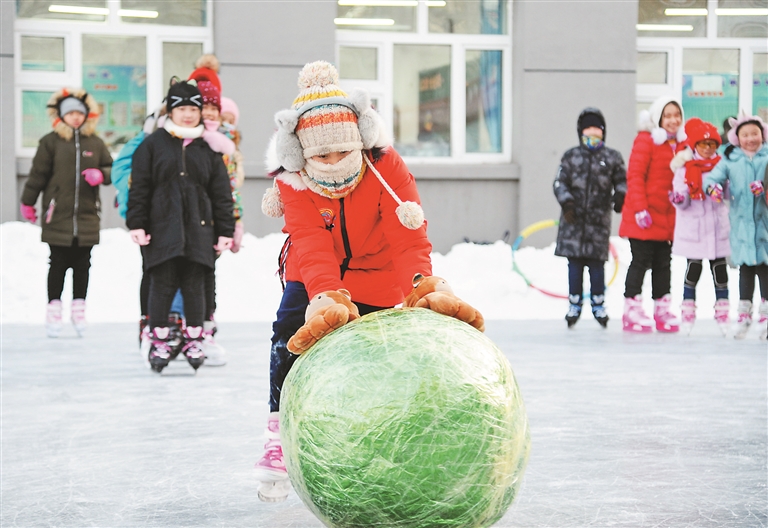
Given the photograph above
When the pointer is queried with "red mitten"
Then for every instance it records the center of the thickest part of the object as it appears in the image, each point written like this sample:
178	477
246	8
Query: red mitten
435	294
326	312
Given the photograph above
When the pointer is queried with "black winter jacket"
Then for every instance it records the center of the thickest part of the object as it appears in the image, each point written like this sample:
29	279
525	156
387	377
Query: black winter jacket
181	196
589	181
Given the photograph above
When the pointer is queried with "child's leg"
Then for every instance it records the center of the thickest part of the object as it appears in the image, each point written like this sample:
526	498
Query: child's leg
596	281
761	270
692	276
747	282
210	293
642	260
575	280
164	283
661	271
144	292
193	290
290	317
81	265
58	265
719	270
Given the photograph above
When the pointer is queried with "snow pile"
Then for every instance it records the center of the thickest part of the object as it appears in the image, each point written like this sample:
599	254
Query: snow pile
249	290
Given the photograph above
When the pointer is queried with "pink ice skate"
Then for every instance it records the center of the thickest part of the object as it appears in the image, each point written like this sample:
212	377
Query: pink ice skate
270	470
53	318
762	321
665	321
78	316
744	319
722	317
688	315
634	318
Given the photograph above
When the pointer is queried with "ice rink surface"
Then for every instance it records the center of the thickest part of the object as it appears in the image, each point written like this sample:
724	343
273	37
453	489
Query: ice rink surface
627	430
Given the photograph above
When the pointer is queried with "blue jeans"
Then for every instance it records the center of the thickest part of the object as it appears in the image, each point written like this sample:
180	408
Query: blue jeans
290	317
576	280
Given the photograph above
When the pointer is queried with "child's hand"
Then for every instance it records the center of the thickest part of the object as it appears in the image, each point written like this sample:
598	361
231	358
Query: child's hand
569	213
676	197
237	238
29	213
94	177
757	187
140	237
716	193
643	219
224	244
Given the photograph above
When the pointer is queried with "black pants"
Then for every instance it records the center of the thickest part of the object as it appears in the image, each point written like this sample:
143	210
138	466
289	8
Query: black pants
290	317
747	281
165	279
62	258
649	255
144	293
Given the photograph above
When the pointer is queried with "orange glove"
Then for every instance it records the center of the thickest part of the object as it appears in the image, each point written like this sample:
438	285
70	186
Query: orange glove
435	294
325	313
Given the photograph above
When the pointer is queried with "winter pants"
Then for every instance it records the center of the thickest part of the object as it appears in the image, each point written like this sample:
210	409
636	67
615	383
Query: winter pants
647	255
747	281
210	297
144	293
62	258
165	279
576	280
290	317
719	270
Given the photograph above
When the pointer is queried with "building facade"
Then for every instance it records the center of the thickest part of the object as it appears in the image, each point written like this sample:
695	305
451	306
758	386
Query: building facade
482	96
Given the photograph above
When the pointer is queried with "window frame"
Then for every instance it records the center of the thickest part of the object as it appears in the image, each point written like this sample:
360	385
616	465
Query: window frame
72	31
382	88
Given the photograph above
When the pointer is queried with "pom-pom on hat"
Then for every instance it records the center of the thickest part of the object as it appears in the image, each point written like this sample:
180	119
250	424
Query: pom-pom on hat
650	120
206	69
183	93
698	130
743	119
211	95
229	106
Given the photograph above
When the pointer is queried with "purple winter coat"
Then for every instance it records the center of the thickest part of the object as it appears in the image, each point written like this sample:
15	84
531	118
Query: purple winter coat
702	227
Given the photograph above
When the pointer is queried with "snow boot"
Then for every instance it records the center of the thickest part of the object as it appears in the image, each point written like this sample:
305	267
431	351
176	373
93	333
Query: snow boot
53	318
744	319
634	318
215	355
598	310
574	312
193	346
688	315
722	317
665	321
78	316
159	351
762	320
270	470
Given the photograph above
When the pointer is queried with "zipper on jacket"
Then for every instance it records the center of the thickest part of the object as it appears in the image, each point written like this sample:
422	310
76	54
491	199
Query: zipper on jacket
345	238
77	182
586	199
183	192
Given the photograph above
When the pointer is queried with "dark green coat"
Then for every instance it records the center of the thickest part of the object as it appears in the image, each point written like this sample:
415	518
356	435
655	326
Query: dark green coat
71	207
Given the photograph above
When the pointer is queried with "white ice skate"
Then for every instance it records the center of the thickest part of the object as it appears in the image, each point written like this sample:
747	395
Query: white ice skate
762	319
215	355
53	318
687	315
722	307
270	470
744	320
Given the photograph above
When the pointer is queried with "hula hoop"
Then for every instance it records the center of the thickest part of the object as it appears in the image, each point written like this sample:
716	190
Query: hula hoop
544	224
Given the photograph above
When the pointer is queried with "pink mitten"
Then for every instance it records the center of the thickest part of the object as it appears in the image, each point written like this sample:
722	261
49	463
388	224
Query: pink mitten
29	213
643	219
756	187
676	197
716	193
237	238
94	177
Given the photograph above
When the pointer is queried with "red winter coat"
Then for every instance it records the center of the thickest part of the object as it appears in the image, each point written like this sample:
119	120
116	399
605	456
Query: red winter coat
382	254
649	180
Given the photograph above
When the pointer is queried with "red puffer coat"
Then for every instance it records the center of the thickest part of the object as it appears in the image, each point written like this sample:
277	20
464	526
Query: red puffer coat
358	237
649	180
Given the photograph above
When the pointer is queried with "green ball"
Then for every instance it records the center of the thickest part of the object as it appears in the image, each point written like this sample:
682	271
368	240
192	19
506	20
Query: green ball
404	417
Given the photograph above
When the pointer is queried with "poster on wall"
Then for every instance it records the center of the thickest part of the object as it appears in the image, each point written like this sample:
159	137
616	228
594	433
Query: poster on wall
122	96
760	95
711	96
435	111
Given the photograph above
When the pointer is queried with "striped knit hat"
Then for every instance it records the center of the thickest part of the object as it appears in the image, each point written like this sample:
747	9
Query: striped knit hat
327	123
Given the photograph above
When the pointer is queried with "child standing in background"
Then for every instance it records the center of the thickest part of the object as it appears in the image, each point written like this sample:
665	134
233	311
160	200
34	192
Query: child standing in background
701	226
69	165
743	168
230	115
591	177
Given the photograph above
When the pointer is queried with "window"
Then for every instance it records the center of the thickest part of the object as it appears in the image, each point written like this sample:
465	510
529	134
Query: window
176	13
42	54
82	10
742	18
672	18
34	116
760	85
652	67
710	84
440	74
179	60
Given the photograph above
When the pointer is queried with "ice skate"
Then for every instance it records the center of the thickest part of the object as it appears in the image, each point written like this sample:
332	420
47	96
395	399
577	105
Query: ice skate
270	470
143	323
193	346
687	315
722	317
176	336
145	343
634	318
159	350
574	312
762	320
599	313
665	321
215	355
78	316
53	318
744	320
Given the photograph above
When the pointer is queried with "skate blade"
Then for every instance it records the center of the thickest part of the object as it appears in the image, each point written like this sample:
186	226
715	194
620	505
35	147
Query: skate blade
176	368
686	328
724	328
274	490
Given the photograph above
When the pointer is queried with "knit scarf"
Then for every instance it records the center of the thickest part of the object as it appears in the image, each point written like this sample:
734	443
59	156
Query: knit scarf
183	132
693	171
334	180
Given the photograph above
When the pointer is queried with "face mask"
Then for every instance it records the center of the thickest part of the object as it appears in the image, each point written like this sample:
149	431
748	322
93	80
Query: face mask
334	180
592	142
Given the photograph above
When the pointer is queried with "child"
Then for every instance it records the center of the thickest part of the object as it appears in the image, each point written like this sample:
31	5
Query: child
69	165
701	226
180	212
743	168
230	114
354	224
590	178
648	217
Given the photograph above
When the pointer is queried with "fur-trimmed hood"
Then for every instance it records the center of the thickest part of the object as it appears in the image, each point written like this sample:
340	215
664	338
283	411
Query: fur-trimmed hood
648	120
88	127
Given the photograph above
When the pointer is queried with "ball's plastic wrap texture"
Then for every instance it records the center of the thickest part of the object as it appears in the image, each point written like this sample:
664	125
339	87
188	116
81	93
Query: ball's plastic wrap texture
403	418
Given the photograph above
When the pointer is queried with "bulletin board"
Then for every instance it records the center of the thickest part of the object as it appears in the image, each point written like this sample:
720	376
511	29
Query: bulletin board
711	96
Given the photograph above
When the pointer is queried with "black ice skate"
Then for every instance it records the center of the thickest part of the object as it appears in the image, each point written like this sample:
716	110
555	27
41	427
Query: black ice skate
193	346
176	337
601	316
159	352
574	312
